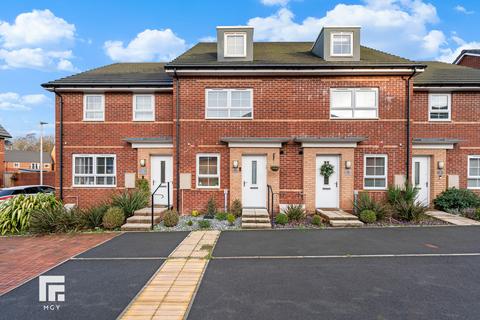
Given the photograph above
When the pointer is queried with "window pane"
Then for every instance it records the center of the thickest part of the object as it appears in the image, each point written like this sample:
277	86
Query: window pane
235	45
473	183
370	171
365	114
365	99
240	99
342	44
341	113
241	113
217	113
100	165
341	99
437	115
369	183
254	172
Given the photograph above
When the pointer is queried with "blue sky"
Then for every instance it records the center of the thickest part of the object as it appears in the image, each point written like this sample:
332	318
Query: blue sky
46	40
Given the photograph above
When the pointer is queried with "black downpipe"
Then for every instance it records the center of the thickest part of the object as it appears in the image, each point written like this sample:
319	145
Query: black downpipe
408	178
60	142
177	135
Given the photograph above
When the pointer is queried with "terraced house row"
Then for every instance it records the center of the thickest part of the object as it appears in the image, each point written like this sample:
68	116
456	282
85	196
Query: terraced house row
238	119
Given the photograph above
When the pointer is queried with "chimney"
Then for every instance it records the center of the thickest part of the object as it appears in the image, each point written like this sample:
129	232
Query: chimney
338	44
235	43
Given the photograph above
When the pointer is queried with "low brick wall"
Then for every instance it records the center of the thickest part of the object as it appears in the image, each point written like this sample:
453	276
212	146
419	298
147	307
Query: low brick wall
31	178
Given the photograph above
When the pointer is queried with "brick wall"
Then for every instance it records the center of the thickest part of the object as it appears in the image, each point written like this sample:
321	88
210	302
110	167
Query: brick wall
2	161
33	178
470	61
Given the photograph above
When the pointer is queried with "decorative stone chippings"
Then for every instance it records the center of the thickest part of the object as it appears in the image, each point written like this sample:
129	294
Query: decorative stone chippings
170	292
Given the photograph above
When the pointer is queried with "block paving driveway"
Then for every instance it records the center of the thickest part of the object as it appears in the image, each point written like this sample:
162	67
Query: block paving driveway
366	273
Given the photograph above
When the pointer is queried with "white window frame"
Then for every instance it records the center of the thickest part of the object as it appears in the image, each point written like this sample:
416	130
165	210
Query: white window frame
353	94
16	164
152	118
229	103
468	172
226	35
217	155
85	107
332	35
35	166
385	176
94	174
449	110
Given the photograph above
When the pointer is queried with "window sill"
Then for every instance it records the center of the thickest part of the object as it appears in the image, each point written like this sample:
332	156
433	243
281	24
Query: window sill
433	120
349	119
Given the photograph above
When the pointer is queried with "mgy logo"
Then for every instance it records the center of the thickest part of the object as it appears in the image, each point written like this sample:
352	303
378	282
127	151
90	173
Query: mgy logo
51	288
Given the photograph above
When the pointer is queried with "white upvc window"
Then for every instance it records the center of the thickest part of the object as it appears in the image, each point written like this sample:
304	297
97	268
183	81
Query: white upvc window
208	170
235	44
439	106
94	170
229	103
341	44
375	171
34	166
16	165
93	107
354	103
473	180
143	107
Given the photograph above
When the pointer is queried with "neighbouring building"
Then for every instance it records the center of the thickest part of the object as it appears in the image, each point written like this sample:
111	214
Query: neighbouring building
469	58
17	160
3	135
238	119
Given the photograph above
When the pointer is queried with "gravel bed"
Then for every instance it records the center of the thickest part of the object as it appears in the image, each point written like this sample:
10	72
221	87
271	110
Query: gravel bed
214	224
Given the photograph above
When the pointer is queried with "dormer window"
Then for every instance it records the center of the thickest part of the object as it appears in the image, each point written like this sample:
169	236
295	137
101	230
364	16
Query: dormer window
341	44
235	44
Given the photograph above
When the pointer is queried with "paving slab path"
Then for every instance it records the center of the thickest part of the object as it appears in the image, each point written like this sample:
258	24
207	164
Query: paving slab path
452	218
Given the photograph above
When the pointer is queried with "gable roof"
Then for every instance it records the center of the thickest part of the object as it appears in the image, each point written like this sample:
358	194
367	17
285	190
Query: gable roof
283	54
26	156
4	133
145	74
442	74
466	52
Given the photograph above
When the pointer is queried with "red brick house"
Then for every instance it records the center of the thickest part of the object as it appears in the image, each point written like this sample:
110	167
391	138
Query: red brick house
3	135
469	58
239	119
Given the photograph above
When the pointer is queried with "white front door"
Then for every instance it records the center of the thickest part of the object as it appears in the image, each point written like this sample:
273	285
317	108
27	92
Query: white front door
421	178
254	181
161	168
327	188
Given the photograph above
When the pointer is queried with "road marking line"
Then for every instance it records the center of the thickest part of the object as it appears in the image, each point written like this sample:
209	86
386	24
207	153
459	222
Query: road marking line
355	256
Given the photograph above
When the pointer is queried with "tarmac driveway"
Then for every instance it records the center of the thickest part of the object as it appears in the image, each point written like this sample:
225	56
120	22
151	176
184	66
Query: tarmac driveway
388	273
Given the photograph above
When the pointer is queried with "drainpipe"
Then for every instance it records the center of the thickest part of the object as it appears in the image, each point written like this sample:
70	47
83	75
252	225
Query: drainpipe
177	134
408	125
60	142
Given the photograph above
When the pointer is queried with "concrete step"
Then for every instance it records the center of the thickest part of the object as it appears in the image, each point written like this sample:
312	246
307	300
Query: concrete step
144	219
255	220
136	227
253	215
256	225
346	223
331	215
148	211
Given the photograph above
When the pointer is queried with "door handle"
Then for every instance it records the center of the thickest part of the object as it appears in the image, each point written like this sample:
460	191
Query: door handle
336	184
426	184
153	182
244	183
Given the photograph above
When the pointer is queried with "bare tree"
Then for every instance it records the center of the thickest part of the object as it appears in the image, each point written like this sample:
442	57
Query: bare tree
31	142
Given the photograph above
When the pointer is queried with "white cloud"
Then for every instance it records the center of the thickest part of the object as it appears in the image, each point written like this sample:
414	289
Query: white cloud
398	26
37	40
462	9
17	102
149	45
208	39
449	55
275	2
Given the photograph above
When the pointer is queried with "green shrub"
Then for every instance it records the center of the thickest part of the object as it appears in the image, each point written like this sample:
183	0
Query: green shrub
231	219
366	202
403	203
295	212
15	212
316	220
56	220
189	223
170	218
281	218
130	201
221	216
368	216
456	199
211	209
93	216
477	214
143	186
195	213
204	224
407	193
113	218
236	208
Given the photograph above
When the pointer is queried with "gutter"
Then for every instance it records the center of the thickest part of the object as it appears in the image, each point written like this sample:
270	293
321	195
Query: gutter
177	135
408	178
60	142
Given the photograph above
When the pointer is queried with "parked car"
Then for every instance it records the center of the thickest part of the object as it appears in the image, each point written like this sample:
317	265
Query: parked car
8	193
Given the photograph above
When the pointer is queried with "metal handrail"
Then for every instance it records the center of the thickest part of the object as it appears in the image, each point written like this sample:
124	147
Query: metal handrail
270	202
161	185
